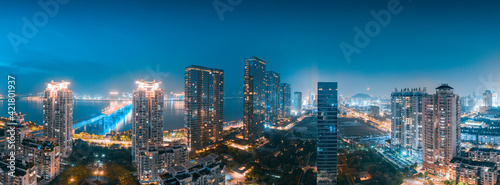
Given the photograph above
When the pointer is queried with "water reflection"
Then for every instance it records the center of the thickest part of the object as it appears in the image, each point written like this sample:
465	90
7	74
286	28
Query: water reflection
98	123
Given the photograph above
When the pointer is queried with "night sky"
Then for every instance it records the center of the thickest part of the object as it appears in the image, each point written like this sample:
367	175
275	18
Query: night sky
102	46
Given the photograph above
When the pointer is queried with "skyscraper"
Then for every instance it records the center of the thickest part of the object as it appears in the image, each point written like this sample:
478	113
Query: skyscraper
58	115
272	81
285	99
327	132
204	100
309	99
254	98
441	129
297	102
488	98
407	121
147	112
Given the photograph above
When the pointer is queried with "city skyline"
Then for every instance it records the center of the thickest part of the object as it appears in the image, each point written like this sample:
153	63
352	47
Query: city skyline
220	92
165	56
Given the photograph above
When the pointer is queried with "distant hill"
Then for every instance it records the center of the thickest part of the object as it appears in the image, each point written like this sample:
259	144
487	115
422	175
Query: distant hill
362	96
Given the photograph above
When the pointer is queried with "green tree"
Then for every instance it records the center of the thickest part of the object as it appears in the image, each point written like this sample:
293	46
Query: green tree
406	171
309	177
116	174
73	175
420	175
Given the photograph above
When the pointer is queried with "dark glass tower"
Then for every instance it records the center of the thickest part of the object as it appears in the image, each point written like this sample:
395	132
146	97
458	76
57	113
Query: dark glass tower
327	132
297	102
285	100
272	102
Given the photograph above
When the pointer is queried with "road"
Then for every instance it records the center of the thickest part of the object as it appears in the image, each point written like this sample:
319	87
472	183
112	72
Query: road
126	143
381	125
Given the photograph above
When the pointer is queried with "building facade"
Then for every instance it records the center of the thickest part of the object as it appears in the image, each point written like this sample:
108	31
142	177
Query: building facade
479	136
44	153
58	115
285	100
156	159
441	129
254	99
473	172
407	121
147	115
202	171
272	83
18	129
327	132
204	105
483	155
24	173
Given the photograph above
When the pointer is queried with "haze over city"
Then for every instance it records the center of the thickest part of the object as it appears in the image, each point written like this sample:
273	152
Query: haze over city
106	46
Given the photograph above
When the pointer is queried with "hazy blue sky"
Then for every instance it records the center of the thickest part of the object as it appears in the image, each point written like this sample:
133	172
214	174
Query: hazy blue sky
106	45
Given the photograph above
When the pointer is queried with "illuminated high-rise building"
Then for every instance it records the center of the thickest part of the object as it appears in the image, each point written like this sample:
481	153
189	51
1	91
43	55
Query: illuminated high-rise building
297	102
204	105
58	115
327	132
285	100
441	129
488	98
147	113
407	121
272	81
254	98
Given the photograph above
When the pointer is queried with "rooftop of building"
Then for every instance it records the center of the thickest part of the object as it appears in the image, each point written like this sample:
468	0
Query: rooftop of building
444	86
410	92
194	168
183	176
41	142
162	148
468	162
57	85
475	149
203	68
257	59
21	166
148	85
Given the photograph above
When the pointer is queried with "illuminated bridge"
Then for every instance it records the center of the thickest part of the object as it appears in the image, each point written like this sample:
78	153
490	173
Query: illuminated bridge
105	122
